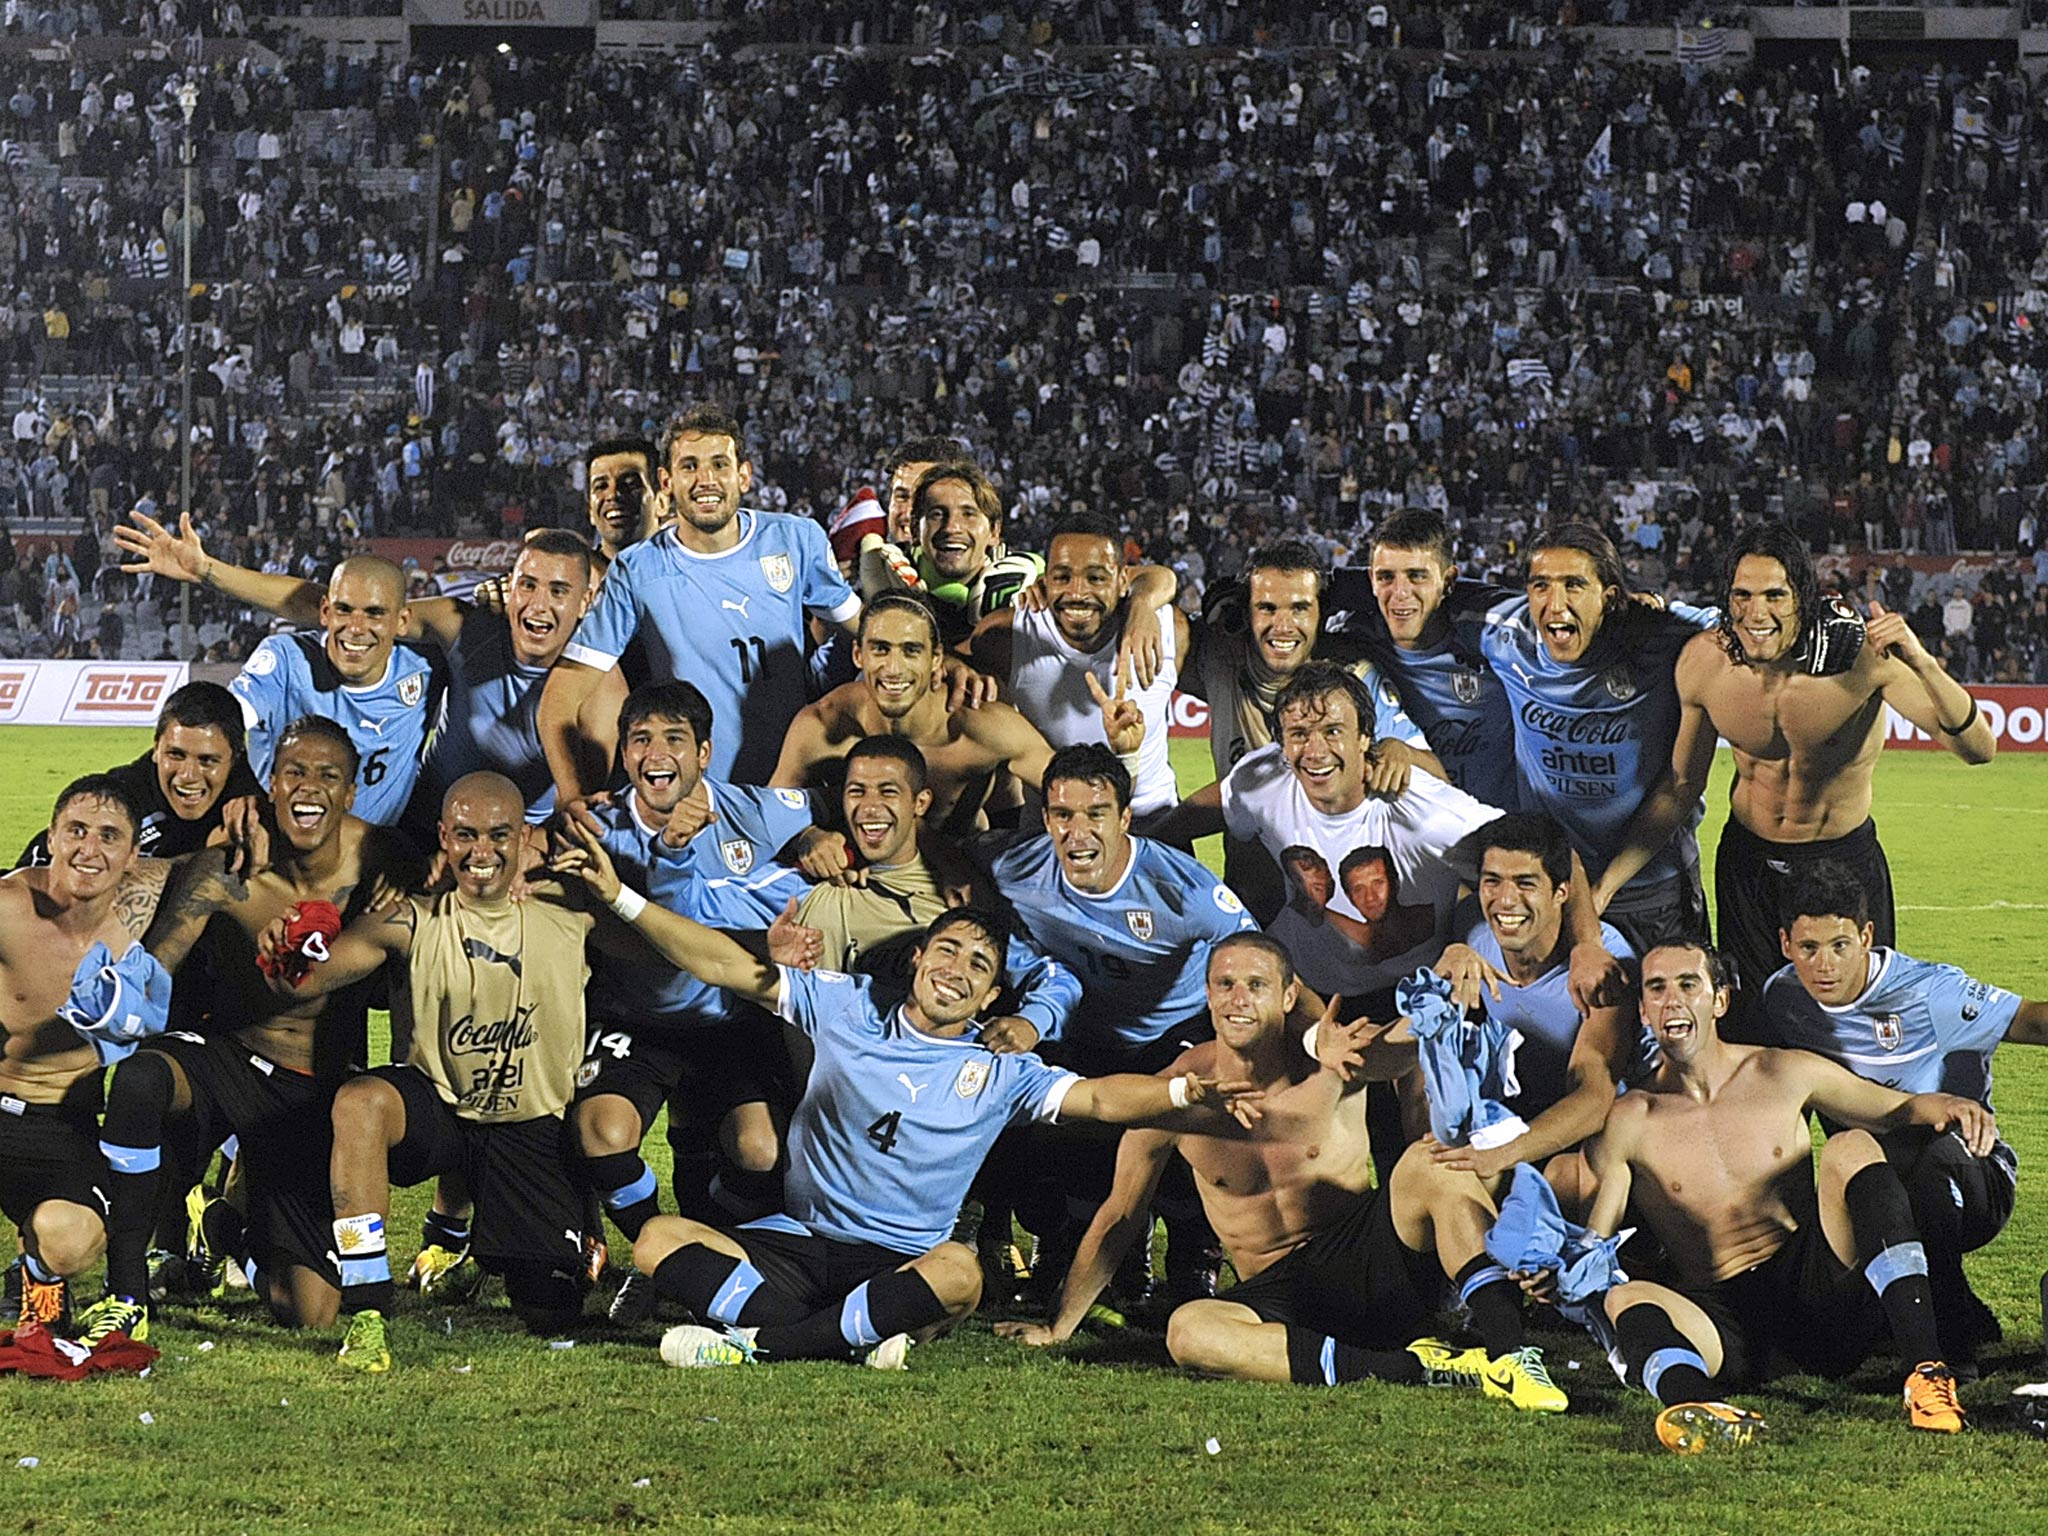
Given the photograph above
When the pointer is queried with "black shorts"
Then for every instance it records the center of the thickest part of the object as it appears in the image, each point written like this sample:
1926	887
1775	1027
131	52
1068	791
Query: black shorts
1801	1309
49	1152
1973	1196
811	1270
1750	877
1355	1281
1673	910
284	1123
528	1208
707	1072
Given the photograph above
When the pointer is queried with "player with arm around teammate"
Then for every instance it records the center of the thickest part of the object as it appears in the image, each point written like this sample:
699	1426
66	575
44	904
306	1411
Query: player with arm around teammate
1768	1262
1919	1027
1337	1278
900	1110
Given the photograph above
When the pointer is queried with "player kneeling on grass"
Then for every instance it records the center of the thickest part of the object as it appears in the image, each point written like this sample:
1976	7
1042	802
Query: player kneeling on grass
1336	1277
1767	1264
901	1108
495	991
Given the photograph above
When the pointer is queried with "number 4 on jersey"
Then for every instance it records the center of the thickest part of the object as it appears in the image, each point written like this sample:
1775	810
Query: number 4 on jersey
883	1132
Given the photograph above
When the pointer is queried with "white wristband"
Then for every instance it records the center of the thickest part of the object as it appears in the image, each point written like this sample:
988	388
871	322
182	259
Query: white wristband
1131	762
628	904
1177	1093
1308	1040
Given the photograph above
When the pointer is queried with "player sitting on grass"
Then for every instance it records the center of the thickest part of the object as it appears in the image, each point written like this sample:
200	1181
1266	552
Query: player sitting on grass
1765	1263
900	1110
1336	1277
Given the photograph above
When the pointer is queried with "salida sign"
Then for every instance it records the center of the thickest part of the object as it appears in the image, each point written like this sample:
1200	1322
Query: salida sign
502	13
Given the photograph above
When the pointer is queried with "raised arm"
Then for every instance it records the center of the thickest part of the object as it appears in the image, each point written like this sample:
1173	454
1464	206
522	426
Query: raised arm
200	885
705	953
180	556
1916	684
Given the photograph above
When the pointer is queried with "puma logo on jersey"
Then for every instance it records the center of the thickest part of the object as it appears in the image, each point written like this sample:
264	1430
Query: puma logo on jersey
739	607
914	1089
476	949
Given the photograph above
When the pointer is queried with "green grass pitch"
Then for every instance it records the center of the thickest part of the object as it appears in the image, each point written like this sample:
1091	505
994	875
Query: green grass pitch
479	1427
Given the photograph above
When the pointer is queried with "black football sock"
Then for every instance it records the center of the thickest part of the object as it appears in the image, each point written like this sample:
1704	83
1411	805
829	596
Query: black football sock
1889	1252
626	1185
132	1143
900	1301
438	1229
1661	1360
716	1288
1495	1304
1317	1360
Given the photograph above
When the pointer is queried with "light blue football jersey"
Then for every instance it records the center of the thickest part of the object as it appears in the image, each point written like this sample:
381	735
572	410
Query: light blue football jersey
1141	949
731	623
1547	1020
290	675
895	1123
1592	738
1462	709
724	877
1919	1026
489	719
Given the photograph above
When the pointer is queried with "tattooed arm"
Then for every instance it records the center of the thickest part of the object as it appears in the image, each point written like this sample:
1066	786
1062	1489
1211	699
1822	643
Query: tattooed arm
200	885
136	901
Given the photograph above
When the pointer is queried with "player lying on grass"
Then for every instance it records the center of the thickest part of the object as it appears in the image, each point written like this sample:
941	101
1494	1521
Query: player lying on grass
1336	1277
900	1110
1768	1265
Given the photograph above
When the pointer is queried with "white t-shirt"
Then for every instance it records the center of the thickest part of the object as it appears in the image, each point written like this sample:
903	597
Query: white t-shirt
1263	800
1049	685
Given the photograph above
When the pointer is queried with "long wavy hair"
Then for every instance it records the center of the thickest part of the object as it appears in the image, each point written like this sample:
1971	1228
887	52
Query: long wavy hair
1783	543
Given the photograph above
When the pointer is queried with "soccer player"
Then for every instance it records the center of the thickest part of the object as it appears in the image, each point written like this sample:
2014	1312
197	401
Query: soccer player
707	848
94	891
383	692
901	1107
1916	1026
906	467
266	1070
1798	685
1047	656
1588	674
620	496
1243	652
869	925
496	660
966	570
181	783
1567	1064
1767	1263
901	691
719	596
1446	685
495	990
1336	1276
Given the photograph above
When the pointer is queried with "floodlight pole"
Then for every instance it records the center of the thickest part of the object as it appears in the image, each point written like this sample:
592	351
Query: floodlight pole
188	103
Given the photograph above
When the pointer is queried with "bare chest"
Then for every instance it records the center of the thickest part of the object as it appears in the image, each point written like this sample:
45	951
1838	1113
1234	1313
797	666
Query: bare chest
1824	720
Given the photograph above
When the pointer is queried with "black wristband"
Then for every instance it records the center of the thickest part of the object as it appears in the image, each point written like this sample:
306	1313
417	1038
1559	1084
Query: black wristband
1968	720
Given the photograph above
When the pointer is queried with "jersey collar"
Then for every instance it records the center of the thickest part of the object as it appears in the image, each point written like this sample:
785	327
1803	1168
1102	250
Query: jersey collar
749	527
1880	963
1109	895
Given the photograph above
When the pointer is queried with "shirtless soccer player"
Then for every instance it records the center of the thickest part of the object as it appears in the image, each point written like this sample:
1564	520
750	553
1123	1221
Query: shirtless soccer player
94	890
267	1067
1767	1265
901	692
1806	726
1337	1277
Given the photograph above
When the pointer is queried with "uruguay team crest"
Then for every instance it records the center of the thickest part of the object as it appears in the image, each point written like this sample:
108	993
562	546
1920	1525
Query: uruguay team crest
1890	1029
1620	686
1465	685
738	854
586	1074
780	573
1139	921
972	1075
412	689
